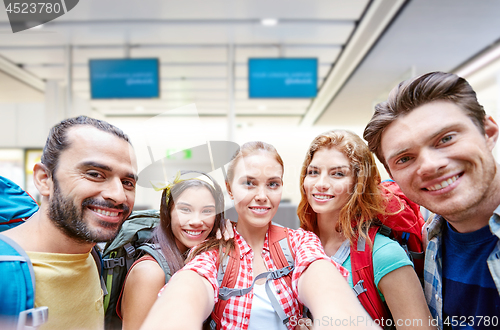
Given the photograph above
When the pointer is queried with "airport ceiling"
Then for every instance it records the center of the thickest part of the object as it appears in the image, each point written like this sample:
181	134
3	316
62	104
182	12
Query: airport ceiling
363	48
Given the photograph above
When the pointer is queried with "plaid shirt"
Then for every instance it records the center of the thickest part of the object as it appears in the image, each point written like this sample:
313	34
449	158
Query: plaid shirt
433	270
305	245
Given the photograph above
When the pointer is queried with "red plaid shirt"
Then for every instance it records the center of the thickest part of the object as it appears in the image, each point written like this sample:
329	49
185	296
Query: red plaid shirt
305	245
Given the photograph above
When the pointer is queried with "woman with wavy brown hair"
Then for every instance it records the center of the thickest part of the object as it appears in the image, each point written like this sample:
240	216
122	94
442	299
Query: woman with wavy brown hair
340	200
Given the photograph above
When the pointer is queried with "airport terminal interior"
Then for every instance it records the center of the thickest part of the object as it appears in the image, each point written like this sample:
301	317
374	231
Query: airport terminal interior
209	63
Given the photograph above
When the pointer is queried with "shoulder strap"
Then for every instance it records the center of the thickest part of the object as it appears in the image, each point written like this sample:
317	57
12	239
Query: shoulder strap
279	247
159	257
28	316
227	275
363	277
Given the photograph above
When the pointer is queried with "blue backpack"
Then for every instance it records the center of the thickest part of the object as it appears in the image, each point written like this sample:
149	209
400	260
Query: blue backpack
17	283
16	205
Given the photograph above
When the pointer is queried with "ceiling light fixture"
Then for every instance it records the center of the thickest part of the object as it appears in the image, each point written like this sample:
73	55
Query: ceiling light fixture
269	21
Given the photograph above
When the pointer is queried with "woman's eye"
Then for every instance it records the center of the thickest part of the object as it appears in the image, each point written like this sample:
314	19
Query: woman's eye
312	172
338	174
248	183
274	184
184	209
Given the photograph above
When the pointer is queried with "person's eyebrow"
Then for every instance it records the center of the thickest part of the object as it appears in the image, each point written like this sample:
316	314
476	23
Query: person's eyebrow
92	164
431	137
397	153
339	167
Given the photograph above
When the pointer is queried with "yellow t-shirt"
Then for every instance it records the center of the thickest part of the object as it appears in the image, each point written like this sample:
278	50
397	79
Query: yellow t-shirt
69	285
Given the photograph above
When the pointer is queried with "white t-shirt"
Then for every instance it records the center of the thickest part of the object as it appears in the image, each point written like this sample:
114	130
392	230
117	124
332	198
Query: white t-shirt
263	316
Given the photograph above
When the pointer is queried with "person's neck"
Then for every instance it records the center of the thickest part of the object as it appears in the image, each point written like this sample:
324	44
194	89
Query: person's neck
479	215
40	234
330	238
254	236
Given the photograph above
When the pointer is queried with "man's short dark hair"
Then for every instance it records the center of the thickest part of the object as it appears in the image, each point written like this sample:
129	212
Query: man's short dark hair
57	141
412	93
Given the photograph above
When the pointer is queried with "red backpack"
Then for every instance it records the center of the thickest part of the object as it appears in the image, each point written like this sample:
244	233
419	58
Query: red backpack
227	275
405	227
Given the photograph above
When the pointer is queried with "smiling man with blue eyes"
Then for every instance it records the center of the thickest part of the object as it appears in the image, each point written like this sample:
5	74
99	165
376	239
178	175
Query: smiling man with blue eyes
86	179
436	142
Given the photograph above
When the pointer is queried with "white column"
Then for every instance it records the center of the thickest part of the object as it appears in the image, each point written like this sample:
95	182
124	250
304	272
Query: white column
230	87
69	81
54	104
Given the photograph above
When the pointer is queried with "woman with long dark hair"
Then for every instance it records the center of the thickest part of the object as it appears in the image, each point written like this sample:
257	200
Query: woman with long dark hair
191	211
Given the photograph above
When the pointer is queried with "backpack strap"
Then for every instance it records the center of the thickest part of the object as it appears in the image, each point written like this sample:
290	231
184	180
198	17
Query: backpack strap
29	317
363	277
227	275
405	237
96	254
156	253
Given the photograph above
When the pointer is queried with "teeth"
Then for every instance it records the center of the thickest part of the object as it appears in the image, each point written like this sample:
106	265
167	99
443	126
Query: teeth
322	196
443	184
192	232
260	209
106	213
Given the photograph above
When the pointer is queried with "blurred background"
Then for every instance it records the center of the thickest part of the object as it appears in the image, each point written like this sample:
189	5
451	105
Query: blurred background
176	74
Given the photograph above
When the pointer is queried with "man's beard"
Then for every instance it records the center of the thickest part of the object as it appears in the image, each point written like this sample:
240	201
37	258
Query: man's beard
64	213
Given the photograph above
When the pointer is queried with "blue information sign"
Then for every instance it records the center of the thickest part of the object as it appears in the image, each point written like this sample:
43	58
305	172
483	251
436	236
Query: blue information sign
282	77
124	78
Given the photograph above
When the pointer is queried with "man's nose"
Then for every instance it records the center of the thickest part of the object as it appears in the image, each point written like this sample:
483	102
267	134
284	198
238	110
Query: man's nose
115	191
430	162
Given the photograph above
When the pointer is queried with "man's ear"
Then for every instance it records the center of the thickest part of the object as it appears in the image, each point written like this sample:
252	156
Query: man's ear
42	179
228	187
491	132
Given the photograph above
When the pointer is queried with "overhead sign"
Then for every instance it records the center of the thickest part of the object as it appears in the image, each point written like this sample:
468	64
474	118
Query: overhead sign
282	77
124	78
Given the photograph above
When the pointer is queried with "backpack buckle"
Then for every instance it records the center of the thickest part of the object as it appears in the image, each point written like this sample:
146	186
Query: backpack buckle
226	293
112	263
130	249
281	272
359	288
33	318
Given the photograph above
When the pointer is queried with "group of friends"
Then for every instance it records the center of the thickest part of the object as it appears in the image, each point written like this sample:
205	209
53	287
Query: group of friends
433	138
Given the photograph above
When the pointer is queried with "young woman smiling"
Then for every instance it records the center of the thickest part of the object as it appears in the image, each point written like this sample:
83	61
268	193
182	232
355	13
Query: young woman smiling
254	182
191	211
341	197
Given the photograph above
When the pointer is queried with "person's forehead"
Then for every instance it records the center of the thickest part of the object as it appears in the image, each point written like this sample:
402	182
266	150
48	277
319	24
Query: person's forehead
327	154
87	141
258	162
196	194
